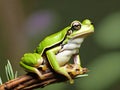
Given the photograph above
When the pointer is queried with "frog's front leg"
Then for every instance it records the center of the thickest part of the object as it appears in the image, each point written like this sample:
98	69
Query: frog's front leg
51	55
76	67
31	62
77	62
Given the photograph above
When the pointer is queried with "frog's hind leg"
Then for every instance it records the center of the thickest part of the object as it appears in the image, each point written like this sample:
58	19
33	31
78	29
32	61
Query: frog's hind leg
33	70
54	64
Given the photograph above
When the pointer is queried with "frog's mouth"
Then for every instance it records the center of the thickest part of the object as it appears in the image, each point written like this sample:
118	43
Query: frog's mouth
83	32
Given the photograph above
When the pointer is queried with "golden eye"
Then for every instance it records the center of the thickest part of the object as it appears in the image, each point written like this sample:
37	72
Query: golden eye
76	25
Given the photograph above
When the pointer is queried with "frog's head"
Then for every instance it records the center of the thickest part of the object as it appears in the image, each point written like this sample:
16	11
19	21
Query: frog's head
79	29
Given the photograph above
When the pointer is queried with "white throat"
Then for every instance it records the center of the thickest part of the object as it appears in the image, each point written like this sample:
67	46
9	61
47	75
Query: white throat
73	44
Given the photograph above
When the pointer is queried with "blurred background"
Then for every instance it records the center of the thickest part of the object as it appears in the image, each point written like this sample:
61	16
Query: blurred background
24	23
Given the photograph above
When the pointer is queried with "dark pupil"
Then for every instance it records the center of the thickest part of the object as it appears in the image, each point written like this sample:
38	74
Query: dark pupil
76	27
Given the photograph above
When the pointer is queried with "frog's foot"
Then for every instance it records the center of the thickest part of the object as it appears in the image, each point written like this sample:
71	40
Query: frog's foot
75	69
84	70
71	69
79	69
63	71
73	72
39	74
71	81
44	67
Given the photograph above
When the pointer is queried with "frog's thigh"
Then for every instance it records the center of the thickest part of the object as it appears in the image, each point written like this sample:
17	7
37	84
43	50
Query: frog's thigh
54	64
53	61
52	57
32	69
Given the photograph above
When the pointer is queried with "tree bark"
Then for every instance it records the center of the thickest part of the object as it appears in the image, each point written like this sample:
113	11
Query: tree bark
30	80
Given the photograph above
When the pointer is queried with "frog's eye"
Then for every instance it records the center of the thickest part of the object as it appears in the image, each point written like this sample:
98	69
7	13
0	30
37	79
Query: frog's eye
76	25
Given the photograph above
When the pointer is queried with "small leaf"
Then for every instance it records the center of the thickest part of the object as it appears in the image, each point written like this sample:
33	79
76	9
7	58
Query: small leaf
1	81
9	71
84	75
16	74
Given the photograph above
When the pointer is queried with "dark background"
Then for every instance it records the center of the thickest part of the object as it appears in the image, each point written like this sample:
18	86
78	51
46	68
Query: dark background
24	23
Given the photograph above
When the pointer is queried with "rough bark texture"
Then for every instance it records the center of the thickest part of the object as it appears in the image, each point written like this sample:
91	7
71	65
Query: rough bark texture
30	81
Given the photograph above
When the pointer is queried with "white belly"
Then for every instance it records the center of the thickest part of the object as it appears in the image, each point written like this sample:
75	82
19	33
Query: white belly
68	50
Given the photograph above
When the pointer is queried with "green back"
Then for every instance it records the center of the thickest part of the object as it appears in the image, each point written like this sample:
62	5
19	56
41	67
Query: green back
52	40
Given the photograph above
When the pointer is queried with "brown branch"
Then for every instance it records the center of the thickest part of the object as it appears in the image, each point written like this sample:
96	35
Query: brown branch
30	81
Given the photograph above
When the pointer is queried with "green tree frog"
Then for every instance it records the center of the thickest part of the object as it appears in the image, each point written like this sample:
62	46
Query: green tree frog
59	48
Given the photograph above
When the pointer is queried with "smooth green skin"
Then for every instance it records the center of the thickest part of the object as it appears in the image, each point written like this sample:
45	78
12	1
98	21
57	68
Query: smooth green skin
52	39
31	61
48	46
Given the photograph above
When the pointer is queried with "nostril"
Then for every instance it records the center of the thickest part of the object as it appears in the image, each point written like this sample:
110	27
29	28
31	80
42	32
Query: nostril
92	23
